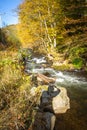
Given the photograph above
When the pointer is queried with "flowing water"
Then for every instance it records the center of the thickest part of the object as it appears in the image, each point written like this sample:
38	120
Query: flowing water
76	84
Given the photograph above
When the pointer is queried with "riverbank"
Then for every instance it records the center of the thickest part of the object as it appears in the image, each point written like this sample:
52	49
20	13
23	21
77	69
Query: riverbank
16	110
15	87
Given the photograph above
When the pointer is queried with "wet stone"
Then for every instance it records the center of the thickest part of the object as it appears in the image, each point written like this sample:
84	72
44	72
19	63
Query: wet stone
46	98
44	121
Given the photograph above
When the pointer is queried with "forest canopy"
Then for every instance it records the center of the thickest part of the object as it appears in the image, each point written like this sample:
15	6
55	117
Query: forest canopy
55	24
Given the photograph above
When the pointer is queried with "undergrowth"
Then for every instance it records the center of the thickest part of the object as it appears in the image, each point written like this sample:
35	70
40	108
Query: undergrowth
15	106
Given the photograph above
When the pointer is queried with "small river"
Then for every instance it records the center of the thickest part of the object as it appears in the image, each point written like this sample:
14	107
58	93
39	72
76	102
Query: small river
76	84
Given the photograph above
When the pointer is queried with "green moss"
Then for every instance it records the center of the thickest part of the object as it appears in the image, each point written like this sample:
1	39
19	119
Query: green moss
78	62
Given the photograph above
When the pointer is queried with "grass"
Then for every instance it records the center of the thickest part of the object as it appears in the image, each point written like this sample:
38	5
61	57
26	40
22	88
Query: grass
15	110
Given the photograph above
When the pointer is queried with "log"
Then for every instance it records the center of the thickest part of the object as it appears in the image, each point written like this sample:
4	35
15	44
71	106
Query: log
43	78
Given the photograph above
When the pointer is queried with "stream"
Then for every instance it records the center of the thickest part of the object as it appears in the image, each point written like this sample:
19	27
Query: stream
76	84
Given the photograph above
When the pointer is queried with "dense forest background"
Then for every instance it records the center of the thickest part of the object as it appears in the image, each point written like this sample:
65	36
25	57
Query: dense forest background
57	25
52	26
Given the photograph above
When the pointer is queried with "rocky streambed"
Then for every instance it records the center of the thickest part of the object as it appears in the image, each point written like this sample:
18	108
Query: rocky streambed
73	82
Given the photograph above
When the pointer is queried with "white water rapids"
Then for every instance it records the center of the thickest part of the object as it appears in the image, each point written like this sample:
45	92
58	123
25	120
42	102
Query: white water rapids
76	84
62	77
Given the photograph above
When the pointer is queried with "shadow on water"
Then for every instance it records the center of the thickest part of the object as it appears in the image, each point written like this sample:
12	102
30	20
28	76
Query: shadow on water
76	117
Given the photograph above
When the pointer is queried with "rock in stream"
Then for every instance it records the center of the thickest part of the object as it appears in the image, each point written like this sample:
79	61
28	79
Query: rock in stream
53	100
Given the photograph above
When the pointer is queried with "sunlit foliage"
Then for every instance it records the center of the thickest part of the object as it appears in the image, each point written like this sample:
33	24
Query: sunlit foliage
40	23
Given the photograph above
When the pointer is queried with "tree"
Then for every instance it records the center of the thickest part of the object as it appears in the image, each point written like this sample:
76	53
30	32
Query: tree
40	22
75	16
75	35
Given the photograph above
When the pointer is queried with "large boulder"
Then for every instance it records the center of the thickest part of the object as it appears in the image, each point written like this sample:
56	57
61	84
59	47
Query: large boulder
61	102
47	97
51	98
